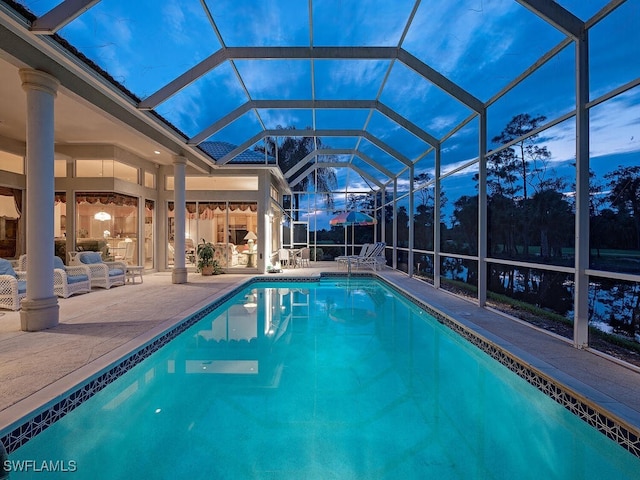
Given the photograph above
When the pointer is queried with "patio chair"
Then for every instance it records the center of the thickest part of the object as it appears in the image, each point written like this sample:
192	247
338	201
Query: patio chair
130	250
374	258
13	286
103	274
304	258
67	281
284	257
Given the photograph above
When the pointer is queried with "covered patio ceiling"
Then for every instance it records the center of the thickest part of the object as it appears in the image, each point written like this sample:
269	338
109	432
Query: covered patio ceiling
380	84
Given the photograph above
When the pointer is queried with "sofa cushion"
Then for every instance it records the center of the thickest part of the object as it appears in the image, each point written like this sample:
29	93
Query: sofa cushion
57	263
22	286
6	268
91	257
115	272
76	278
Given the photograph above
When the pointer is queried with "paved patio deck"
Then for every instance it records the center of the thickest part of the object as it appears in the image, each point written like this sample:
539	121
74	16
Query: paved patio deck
98	328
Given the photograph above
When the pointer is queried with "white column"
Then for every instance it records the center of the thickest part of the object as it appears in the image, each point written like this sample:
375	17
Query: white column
395	224
179	273
383	221
436	220
375	214
482	211
40	308
581	293
265	215
411	221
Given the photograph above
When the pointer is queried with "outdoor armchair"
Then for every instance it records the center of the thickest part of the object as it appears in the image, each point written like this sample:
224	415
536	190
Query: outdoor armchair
67	280
103	274
13	286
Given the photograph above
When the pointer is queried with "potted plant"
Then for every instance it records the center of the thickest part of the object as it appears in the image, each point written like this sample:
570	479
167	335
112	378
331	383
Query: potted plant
206	264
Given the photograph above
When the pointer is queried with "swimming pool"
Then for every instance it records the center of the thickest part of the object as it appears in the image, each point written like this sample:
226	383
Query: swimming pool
329	379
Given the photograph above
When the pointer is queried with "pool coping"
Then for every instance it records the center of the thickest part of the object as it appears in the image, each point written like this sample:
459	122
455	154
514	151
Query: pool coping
49	405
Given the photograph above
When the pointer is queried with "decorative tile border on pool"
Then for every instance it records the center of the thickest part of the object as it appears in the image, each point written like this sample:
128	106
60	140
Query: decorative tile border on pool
593	414
613	428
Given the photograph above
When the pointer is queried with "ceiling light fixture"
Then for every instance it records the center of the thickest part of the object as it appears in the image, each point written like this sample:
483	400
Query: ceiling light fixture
102	216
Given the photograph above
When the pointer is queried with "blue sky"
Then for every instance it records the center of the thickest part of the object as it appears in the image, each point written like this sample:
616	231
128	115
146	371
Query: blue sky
481	45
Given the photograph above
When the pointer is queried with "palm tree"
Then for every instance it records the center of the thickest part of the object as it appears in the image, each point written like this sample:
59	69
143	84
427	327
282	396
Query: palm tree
290	152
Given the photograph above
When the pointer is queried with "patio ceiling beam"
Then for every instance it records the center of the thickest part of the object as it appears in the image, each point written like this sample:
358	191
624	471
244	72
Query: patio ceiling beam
287	104
188	77
556	15
317	165
310	53
440	81
286	133
261	53
309	105
315	53
61	15
327	151
367	159
283	133
339	151
386	148
361	172
407	125
302	163
317	133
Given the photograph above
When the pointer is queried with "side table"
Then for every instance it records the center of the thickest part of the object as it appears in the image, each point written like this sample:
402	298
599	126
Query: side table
134	271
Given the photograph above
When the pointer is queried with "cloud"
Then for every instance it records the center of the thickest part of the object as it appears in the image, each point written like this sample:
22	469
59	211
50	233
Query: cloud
353	79
375	22
105	37
284	118
615	125
276	79
173	17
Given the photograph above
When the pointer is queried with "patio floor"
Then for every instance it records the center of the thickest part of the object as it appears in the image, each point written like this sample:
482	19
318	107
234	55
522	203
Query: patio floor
98	328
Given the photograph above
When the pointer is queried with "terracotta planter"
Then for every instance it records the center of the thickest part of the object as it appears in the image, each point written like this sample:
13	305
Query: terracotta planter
207	270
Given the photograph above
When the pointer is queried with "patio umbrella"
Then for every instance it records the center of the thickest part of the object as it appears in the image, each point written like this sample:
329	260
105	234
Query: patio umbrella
352	218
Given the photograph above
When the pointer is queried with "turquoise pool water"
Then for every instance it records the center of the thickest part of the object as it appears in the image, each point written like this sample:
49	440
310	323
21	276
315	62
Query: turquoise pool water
325	380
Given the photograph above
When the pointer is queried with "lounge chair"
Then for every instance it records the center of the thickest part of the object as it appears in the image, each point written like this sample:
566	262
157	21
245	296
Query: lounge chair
363	252
67	281
374	258
13	286
103	274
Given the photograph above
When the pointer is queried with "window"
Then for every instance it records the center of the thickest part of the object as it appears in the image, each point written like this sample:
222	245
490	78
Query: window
149	180
11	163
106	168
245	183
